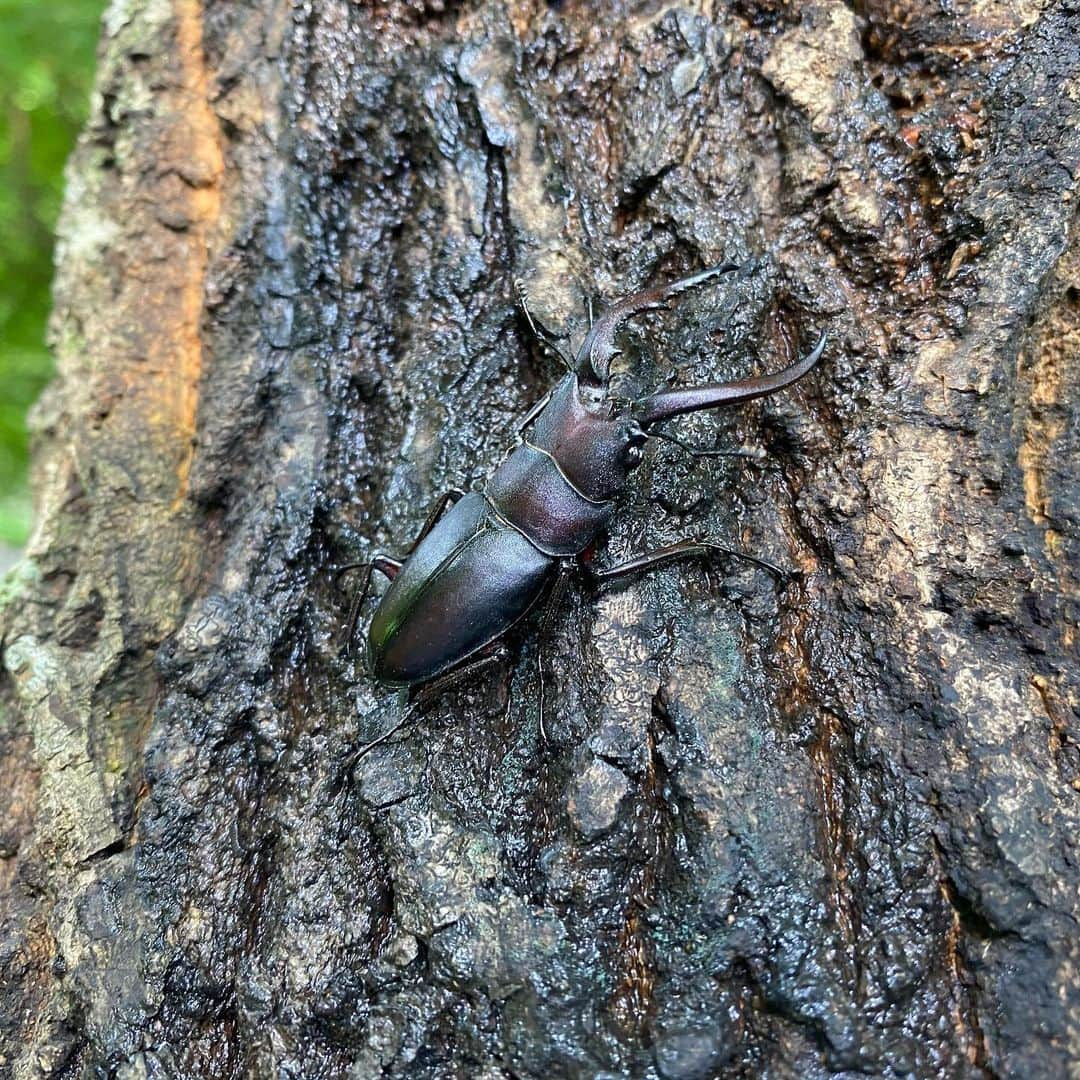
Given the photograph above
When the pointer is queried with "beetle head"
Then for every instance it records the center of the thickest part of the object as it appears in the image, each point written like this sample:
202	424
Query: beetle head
593	437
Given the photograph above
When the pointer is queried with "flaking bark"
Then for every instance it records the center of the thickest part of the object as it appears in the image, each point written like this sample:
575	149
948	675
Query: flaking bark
808	831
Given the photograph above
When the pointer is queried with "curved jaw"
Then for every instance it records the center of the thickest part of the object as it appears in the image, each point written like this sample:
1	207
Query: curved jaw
597	350
667	404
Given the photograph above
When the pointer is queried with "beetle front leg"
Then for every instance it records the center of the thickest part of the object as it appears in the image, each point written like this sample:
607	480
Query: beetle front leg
532	414
541	335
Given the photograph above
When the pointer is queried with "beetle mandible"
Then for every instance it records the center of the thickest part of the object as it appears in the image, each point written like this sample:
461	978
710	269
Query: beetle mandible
482	562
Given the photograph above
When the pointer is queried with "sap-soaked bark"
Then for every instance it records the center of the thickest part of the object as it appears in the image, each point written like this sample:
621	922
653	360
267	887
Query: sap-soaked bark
796	832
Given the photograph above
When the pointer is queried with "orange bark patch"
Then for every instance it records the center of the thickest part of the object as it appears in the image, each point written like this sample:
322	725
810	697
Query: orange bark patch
166	198
199	146
1045	368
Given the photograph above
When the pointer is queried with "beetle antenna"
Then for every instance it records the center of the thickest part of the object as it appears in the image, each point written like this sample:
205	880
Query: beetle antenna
699	451
541	335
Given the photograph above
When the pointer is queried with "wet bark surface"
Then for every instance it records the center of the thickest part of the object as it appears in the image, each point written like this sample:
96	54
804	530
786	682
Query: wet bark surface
814	830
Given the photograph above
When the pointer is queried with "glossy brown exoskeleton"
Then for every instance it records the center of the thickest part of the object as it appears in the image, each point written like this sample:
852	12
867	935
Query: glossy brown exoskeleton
478	567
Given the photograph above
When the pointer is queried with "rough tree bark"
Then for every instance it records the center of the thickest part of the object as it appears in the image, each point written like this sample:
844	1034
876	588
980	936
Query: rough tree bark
821	830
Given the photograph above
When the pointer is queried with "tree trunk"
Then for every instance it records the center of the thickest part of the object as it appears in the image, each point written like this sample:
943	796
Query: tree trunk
766	831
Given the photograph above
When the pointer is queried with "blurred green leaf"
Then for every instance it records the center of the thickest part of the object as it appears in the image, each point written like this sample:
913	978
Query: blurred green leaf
46	70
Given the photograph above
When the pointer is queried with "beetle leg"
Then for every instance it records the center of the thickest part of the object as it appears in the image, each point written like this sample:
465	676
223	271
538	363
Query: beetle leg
680	550
558	591
442	504
387	564
533	413
426	694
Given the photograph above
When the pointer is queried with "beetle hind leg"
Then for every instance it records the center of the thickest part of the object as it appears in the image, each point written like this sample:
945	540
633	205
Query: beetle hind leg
423	696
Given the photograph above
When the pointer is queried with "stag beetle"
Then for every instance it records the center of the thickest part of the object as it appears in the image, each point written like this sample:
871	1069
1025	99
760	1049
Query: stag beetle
476	570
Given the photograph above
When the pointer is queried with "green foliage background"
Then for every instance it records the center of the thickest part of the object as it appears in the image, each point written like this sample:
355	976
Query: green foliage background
47	52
